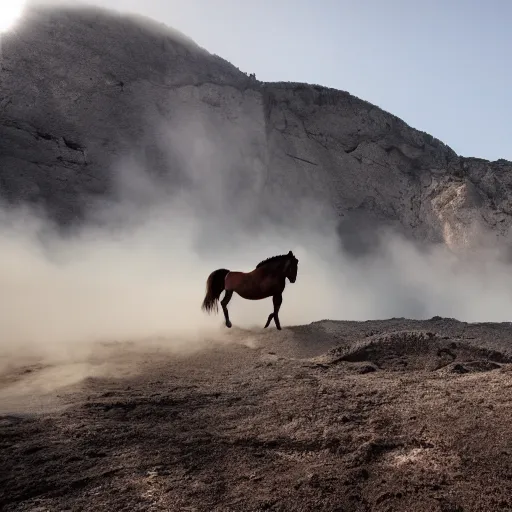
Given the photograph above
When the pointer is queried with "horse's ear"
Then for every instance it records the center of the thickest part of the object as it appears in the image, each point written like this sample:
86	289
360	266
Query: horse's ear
290	253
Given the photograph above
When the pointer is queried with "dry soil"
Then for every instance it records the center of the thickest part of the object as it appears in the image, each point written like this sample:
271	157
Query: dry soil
393	415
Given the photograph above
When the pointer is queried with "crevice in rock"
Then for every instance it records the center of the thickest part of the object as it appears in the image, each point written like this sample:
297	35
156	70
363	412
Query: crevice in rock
45	136
352	149
72	145
301	159
313	137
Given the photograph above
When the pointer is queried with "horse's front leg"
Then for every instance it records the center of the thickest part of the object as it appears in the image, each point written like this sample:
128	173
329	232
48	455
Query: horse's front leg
277	300
224	303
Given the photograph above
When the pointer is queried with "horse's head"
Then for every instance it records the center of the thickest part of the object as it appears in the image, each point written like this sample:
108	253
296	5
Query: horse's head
291	267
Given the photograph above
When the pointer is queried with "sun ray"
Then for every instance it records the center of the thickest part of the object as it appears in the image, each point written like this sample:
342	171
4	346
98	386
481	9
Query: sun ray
10	12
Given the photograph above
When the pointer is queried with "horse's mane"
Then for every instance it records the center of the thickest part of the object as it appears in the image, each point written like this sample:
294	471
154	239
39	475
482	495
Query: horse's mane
272	259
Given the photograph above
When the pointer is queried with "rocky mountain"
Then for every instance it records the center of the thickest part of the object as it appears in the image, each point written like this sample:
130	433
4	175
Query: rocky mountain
86	95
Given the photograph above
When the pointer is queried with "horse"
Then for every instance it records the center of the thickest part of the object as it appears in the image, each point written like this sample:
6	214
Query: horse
268	279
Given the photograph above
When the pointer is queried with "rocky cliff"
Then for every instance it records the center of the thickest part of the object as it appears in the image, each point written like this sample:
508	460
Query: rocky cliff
86	95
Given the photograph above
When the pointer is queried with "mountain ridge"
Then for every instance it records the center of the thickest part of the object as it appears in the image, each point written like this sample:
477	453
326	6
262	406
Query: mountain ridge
86	89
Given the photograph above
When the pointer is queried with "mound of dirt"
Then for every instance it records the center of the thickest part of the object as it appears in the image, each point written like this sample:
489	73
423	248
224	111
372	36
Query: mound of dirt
417	350
472	367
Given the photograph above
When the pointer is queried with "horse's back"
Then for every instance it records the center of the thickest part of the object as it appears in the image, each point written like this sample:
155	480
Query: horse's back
254	285
235	279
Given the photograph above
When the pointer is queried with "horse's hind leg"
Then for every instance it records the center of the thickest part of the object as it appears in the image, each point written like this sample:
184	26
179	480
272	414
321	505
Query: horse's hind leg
269	320
277	300
224	303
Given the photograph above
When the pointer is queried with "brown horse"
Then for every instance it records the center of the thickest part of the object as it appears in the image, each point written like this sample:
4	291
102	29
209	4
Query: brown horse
268	279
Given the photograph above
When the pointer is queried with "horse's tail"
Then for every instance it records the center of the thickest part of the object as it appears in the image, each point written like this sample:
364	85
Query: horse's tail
214	287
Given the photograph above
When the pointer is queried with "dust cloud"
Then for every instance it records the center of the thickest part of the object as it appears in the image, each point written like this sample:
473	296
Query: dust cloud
138	272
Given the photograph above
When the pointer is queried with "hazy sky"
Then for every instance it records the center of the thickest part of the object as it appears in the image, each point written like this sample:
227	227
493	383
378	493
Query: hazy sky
442	66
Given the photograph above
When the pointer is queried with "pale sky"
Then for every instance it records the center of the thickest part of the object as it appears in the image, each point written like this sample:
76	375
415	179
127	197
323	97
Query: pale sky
443	66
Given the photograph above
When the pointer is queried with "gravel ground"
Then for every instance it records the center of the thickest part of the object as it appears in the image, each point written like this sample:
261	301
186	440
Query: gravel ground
394	415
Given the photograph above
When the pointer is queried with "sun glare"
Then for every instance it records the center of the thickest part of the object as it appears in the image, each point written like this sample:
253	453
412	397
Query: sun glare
10	12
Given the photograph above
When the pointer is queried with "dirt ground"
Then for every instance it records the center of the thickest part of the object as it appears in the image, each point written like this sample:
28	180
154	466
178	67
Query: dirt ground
393	415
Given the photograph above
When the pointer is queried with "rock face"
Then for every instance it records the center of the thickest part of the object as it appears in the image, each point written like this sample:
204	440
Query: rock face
86	95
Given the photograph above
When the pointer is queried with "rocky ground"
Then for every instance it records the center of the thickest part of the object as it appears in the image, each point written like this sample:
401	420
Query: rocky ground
393	415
